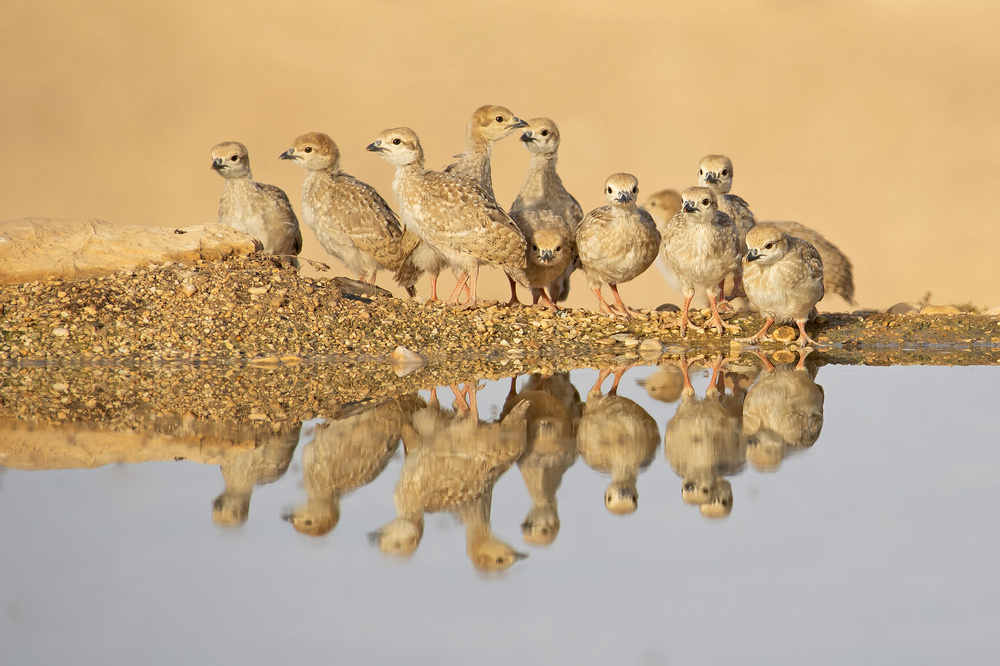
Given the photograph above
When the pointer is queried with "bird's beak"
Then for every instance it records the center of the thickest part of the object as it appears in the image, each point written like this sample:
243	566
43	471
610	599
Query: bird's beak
711	177
752	255
375	147
623	197
218	164
288	155
527	137
287	516
518	123
376	536
546	255
519	555
690	207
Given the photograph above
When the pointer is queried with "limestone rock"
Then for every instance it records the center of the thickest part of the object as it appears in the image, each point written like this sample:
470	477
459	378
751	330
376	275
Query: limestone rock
35	248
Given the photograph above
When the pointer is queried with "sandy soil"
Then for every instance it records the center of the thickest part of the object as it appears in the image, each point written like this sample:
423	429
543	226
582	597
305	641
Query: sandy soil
872	121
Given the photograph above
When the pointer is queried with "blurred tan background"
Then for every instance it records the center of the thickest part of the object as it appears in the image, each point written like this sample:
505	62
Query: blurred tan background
876	123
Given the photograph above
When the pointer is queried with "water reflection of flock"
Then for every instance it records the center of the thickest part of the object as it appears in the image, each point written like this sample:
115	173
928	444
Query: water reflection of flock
757	413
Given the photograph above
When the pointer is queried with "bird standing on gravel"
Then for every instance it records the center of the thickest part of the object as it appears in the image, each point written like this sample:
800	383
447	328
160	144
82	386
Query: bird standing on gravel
617	242
256	208
351	220
783	278
453	215
703	246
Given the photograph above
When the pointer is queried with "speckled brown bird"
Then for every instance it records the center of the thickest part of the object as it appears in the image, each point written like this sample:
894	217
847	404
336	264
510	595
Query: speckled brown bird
838	273
256	208
346	453
454	469
453	215
550	246
782	413
703	246
543	189
617	242
488	124
783	278
619	437
351	220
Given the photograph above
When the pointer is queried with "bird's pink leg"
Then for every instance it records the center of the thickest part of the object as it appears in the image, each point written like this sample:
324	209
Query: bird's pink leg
546	300
619	371
624	311
720	326
760	334
767	362
685	322
462	279
804	339
602	374
683	365
434	287
601	303
473	280
513	293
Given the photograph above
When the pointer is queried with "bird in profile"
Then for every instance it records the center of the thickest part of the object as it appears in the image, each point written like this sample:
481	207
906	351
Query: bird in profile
783	278
782	413
453	215
488	124
351	220
616	242
347	452
619	437
256	208
716	172
703	246
543	189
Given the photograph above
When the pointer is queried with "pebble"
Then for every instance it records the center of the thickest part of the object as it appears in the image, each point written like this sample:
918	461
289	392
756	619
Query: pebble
60	332
939	310
785	334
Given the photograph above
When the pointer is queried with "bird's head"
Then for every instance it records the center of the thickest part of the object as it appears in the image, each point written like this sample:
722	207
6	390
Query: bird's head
231	160
547	247
541	136
541	525
231	509
399	537
766	244
621	498
721	504
399	146
315	517
315	151
621	189
492	554
716	172
700	203
490	123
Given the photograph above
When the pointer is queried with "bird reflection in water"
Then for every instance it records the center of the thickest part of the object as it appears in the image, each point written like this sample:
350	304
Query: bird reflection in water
453	468
619	437
348	452
703	443
551	448
783	411
266	463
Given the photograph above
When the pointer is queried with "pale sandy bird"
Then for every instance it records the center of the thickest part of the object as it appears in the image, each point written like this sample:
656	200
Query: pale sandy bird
662	206
617	242
551	450
266	463
550	250
665	384
453	215
256	208
702	443
346	453
351	220
783	278
488	124
543	189
619	437
454	469
838	273
703	246
782	413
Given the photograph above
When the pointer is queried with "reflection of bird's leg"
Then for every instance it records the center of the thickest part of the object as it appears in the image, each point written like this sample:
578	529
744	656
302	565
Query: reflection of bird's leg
804	339
717	383
513	387
685	322
603	304
463	406
619	371
801	365
622	309
767	362
432	400
761	333
683	365
602	374
720	326
470	393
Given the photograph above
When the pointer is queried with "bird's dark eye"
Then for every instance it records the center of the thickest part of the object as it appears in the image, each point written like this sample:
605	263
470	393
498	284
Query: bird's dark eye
725	172
396	141
635	190
307	149
499	560
499	119
544	132
701	172
558	248
704	202
609	189
534	247
235	158
309	522
768	246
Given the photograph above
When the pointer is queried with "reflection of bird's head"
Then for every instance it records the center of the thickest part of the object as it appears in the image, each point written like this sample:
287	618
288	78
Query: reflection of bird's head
621	499
231	509
721	504
540	526
698	490
314	151
766	244
492	554
399	537
315	517
665	384
541	136
716	172
700	204
399	146
231	160
765	450
491	123
621	189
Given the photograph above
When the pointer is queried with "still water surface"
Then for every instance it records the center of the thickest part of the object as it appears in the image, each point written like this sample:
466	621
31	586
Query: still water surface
874	544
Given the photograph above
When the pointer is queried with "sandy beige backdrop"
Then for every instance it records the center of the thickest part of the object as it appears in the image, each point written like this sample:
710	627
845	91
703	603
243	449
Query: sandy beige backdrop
874	122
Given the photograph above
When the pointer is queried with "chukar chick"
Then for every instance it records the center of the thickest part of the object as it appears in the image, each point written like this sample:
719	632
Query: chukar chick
256	208
549	251
703	246
351	220
543	189
617	242
783	278
453	215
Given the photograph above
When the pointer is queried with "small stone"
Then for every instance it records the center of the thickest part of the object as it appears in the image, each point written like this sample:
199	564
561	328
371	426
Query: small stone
60	386
257	291
60	332
650	345
783	356
939	310
405	361
189	290
668	307
785	334
904	308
